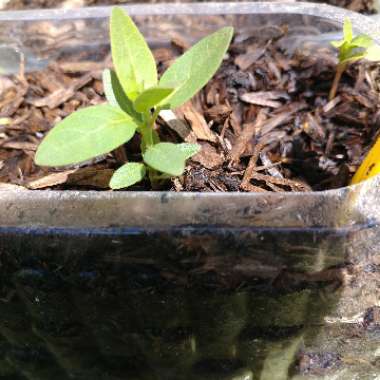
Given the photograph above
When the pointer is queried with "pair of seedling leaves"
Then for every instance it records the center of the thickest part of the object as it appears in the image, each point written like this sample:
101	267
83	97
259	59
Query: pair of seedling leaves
352	48
135	98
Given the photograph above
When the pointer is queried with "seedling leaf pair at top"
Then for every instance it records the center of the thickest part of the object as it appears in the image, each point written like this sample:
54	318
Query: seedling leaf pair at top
135	98
352	49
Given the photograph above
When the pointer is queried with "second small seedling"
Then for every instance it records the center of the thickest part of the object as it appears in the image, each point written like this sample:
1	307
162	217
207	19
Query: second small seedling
352	49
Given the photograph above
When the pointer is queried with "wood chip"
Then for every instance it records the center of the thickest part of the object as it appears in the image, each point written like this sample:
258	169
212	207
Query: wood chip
244	61
197	122
331	104
20	145
50	180
246	136
91	177
209	157
264	98
61	95
178	126
10	187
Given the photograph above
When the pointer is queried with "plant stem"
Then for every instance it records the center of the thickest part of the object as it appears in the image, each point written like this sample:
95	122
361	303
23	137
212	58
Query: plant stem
338	74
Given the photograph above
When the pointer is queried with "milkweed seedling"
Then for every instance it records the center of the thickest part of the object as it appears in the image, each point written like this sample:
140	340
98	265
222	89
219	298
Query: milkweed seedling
352	49
135	97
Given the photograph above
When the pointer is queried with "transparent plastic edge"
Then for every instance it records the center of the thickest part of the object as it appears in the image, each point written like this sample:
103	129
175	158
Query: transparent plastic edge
360	22
32	208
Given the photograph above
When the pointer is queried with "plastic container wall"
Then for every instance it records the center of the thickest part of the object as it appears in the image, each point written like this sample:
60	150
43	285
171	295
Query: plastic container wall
227	286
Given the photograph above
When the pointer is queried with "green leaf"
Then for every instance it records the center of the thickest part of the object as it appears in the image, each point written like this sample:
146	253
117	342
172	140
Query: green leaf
347	30
362	41
167	157
196	67
189	149
115	94
85	134
134	62
373	53
151	97
127	175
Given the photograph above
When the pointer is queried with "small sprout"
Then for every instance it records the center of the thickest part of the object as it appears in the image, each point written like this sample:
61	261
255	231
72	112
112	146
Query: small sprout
352	49
135	97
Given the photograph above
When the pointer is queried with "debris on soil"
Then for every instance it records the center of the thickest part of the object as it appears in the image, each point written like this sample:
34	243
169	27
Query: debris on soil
264	121
317	363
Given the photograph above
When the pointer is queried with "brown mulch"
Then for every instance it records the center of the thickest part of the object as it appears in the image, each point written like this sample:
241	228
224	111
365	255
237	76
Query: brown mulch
264	121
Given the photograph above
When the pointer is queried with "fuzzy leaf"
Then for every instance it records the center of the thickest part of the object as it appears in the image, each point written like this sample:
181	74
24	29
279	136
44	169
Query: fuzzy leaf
189	149
362	41
133	60
127	175
85	134
115	94
347	30
373	53
196	67
167	158
151	97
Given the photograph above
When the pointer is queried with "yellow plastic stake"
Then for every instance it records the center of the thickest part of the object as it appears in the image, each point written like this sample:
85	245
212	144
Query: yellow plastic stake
370	165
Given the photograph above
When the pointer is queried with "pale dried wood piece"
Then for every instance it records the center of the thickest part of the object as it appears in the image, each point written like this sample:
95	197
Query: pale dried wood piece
246	136
62	95
10	187
83	66
331	104
271	167
178	126
264	98
253	189
197	122
275	122
208	157
20	145
50	180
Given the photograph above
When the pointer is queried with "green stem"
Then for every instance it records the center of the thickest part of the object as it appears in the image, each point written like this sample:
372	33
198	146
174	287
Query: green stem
147	130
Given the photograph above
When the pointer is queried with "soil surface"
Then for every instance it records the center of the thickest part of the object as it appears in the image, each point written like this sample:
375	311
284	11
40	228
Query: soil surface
264	121
363	6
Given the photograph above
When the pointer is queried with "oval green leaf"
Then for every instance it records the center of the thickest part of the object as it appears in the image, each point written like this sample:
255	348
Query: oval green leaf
151	97
189	150
85	134
166	157
196	67
373	53
115	94
133	60
362	41
127	175
347	30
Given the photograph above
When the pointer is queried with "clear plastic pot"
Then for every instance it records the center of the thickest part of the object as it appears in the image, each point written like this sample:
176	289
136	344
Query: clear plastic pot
159	285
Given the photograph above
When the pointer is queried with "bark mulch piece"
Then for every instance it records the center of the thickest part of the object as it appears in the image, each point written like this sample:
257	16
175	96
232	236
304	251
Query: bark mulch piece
264	121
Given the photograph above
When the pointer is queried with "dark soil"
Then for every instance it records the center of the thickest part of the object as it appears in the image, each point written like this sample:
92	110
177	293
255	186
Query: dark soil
264	121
